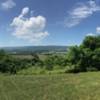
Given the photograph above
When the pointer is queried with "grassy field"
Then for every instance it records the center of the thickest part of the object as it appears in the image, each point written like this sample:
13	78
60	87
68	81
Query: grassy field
36	70
83	86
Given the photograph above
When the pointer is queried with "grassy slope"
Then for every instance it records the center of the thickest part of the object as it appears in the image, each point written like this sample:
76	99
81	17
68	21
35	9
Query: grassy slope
84	86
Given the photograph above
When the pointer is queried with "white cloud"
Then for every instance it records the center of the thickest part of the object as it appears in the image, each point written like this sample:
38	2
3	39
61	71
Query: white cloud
96	33
8	4
31	29
25	11
82	11
90	34
98	29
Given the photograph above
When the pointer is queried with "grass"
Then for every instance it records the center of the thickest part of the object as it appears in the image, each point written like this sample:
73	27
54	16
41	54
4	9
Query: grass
83	86
36	70
41	56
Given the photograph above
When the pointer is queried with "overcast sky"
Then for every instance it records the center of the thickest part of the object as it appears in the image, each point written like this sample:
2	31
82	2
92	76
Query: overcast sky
48	22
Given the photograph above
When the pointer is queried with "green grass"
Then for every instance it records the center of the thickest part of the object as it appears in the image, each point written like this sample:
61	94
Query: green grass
83	86
35	70
41	56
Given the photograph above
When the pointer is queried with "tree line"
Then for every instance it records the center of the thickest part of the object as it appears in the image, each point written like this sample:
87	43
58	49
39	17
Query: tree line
85	57
10	64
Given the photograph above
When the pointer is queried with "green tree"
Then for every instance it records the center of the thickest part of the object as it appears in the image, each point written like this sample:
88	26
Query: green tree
86	56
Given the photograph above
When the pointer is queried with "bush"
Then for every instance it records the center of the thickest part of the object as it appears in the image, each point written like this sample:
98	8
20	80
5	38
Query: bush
85	57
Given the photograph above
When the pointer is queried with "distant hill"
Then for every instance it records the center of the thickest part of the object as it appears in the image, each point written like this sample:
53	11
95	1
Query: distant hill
35	49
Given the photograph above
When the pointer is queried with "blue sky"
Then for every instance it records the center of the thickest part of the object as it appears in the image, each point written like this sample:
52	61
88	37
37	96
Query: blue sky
48	22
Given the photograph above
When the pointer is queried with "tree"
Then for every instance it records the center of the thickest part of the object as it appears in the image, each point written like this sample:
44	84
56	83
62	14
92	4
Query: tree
49	64
91	42
86	56
35	59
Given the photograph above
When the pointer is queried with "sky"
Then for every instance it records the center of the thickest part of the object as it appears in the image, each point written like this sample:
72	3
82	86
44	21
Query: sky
48	22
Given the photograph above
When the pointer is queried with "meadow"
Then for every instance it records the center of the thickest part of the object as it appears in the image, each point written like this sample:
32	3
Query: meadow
74	75
81	86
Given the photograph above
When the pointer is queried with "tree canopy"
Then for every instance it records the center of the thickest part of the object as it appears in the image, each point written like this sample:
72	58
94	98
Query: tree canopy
86	57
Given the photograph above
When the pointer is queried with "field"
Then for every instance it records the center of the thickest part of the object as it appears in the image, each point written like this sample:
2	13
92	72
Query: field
83	86
41	56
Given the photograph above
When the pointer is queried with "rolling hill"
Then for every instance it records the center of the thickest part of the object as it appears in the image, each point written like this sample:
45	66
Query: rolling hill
35	49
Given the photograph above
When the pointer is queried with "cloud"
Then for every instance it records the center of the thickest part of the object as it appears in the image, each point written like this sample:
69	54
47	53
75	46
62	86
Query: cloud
8	4
25	11
82	11
94	34
98	29
90	34
30	29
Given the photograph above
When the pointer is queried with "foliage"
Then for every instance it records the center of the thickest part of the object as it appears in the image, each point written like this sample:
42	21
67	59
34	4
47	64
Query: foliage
85	57
9	64
55	60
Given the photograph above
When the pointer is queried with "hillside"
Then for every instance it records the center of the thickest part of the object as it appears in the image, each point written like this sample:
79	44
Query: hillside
83	86
35	49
